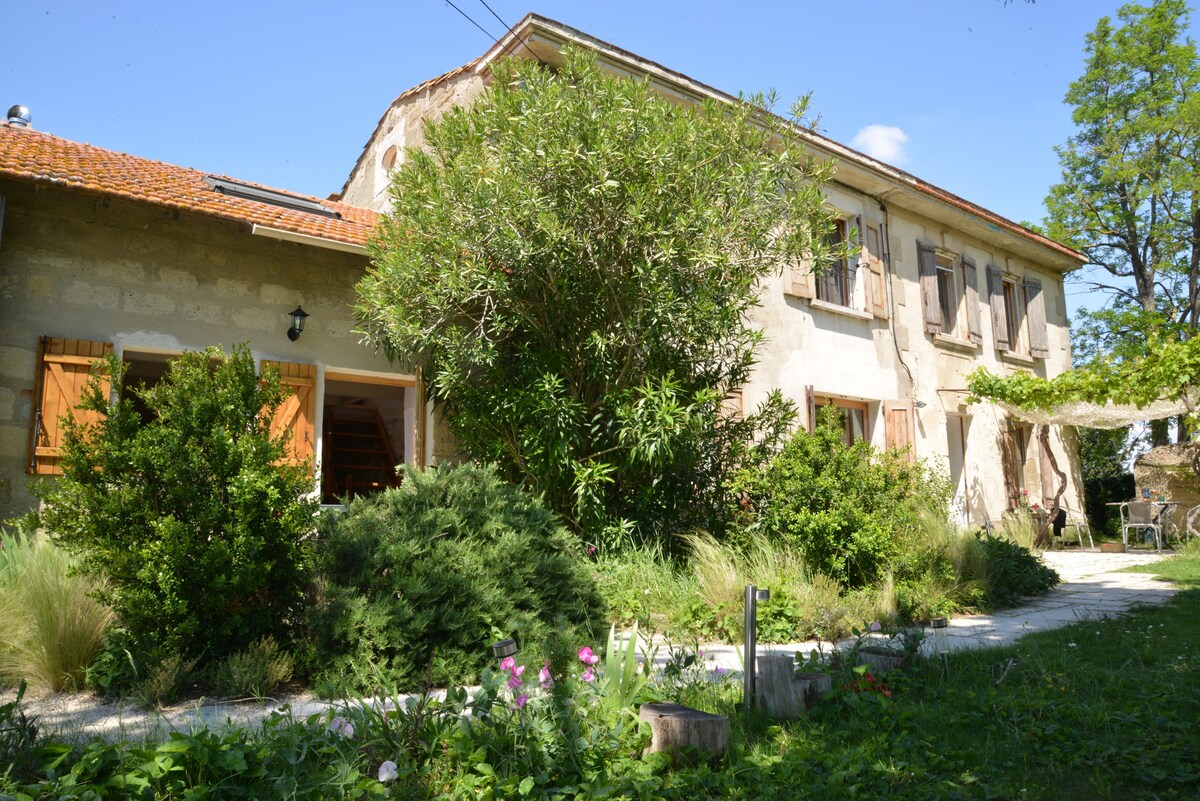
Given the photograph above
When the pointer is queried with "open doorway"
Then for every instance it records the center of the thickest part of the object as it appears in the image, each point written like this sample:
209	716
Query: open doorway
369	422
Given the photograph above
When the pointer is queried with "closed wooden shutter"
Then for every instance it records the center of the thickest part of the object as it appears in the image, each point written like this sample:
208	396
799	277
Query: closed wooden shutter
1012	467
971	281
297	414
810	408
995	280
877	302
898	426
1035	310
927	267
64	368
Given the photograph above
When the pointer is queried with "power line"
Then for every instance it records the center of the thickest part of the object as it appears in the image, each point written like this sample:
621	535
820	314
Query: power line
514	33
480	27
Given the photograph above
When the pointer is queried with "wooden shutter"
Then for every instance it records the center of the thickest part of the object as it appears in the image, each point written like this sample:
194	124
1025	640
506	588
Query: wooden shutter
297	414
64	368
971	282
898	427
995	280
1035	311
876	269
927	268
1012	468
810	408
798	281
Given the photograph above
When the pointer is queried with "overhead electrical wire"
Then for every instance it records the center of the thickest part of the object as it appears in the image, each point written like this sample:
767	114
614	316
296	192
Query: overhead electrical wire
486	32
514	33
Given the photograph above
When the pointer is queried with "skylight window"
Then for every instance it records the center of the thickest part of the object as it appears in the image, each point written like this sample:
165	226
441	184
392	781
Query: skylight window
271	197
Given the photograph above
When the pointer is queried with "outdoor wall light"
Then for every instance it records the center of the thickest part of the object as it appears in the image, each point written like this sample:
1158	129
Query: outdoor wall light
504	648
298	317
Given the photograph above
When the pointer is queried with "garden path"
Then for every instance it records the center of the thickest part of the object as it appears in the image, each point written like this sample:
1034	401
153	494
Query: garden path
1090	589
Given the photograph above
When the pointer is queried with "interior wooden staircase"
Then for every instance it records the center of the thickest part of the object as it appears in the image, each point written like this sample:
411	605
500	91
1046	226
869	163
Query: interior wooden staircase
358	455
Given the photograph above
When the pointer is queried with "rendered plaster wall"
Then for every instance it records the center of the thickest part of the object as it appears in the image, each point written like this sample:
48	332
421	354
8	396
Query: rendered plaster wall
857	357
152	281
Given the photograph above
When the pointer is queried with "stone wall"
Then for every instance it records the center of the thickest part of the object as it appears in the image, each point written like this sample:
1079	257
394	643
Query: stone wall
1166	472
150	280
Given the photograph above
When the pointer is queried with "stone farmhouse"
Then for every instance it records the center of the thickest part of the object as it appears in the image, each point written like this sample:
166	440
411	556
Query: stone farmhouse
105	252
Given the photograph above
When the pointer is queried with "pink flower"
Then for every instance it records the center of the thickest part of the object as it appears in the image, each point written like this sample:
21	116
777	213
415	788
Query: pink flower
589	675
507	663
522	699
1035	506
514	683
544	675
591	550
517	671
587	657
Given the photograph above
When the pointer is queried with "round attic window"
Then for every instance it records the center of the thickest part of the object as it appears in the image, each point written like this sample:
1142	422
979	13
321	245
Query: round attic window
389	158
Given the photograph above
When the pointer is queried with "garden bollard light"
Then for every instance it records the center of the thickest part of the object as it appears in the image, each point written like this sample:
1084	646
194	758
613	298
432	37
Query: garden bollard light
941	642
504	648
750	644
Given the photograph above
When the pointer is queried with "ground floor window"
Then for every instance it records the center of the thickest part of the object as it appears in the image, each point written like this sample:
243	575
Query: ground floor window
855	416
369	424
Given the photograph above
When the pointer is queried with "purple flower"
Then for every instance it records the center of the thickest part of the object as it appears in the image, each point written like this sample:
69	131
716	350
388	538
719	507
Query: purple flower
387	771
876	626
589	675
587	657
522	699
514	683
720	670
342	728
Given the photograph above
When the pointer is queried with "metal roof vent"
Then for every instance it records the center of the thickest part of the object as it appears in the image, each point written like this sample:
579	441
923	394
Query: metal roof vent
19	117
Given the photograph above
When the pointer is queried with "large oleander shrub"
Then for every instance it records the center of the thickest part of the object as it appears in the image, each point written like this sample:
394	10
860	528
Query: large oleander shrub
416	582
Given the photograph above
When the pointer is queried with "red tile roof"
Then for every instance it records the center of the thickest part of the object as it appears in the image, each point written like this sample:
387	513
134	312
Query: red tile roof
30	155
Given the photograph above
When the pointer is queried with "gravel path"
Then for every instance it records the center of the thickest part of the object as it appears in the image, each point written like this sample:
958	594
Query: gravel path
1090	589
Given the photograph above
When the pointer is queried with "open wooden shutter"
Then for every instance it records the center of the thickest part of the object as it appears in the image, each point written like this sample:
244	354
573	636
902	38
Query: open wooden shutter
1012	468
297	414
999	313
927	267
1035	310
64	368
798	281
898	426
872	238
971	281
810	408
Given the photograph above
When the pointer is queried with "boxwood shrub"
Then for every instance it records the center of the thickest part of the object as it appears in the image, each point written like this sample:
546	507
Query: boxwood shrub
424	577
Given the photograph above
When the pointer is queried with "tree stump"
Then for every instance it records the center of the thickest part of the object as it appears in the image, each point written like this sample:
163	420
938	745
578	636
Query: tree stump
782	693
679	729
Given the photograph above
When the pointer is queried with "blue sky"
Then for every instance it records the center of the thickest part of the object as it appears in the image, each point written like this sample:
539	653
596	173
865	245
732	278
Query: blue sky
967	93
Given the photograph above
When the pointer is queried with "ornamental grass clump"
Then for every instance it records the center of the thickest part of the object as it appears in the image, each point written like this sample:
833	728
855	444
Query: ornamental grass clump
50	623
416	581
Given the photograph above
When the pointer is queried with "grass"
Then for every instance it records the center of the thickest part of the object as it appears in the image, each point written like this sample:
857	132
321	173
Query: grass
50	625
1183	568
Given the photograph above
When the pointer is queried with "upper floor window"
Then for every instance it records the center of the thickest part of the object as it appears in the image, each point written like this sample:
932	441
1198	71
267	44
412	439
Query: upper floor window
1018	314
836	282
949	293
858	282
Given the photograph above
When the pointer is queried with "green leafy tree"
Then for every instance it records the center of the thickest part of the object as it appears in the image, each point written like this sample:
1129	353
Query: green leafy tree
573	260
1130	174
186	513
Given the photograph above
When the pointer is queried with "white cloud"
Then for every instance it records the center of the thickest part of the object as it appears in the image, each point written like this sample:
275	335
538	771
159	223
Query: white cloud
883	142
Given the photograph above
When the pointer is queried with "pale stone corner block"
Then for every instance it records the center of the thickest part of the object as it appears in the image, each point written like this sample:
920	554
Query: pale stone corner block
274	294
209	312
42	286
172	278
87	294
8	403
227	287
257	320
148	302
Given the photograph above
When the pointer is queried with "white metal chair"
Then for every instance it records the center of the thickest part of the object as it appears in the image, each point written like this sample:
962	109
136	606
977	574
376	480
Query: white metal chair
1191	524
1139	515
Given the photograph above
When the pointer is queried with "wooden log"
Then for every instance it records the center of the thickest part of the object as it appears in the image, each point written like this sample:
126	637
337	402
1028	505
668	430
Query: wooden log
782	693
685	732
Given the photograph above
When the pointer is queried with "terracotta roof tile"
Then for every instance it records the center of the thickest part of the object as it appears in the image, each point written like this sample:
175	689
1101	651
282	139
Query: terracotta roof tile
30	155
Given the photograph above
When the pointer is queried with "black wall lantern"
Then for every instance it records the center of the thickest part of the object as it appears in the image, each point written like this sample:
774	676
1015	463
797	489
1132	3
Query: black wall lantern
297	323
